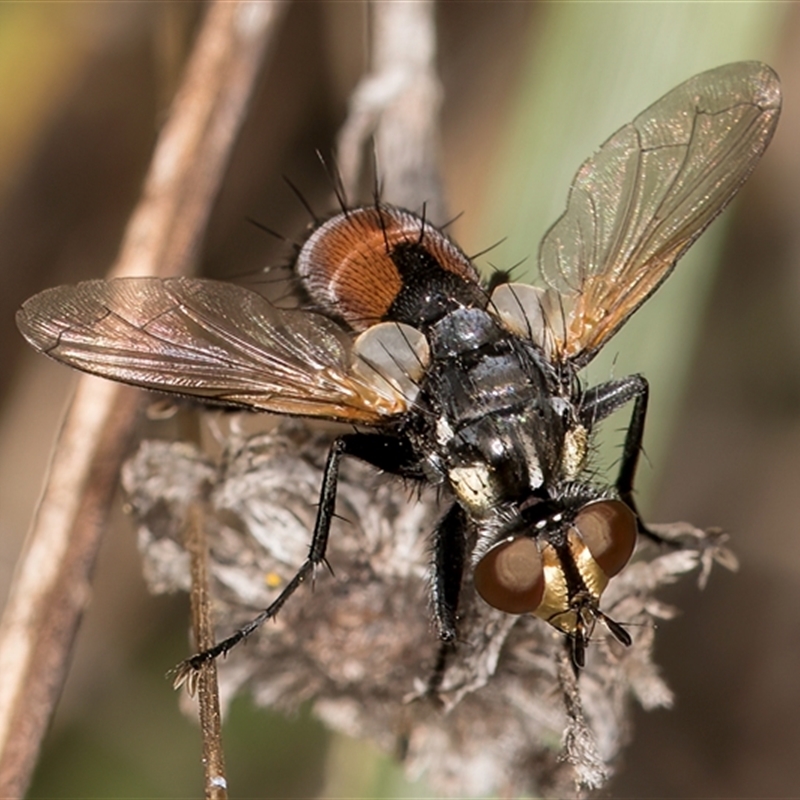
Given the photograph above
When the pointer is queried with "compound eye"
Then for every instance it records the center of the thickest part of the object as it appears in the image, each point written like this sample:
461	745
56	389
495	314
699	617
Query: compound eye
510	576
608	528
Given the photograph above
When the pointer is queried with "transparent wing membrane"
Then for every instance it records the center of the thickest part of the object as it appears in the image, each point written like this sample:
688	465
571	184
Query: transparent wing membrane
208	340
637	204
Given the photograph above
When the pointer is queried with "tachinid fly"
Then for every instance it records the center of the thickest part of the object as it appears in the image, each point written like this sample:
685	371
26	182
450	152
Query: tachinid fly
470	387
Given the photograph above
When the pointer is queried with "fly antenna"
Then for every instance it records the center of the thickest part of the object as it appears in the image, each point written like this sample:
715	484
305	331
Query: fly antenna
617	630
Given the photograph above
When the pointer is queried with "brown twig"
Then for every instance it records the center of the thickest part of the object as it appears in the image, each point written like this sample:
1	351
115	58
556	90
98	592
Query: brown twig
196	543
52	581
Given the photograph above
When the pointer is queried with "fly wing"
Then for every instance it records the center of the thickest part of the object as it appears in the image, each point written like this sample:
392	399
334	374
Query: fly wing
209	340
639	203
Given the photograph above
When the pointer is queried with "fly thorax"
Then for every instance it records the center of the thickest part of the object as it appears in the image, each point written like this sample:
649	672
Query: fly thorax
494	427
462	332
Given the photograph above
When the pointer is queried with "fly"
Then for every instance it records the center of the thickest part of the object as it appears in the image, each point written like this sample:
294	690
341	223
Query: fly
467	386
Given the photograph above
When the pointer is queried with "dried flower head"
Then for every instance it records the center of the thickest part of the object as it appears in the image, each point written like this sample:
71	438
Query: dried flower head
510	715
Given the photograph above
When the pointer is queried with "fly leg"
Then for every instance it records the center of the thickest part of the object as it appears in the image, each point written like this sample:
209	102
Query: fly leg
448	569
385	452
600	402
449	544
631	450
395	455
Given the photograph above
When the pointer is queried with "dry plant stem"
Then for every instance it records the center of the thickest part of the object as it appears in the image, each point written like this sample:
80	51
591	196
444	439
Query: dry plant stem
196	543
51	584
580	743
398	103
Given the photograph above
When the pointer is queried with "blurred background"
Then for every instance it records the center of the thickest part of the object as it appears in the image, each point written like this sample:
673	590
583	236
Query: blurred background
530	90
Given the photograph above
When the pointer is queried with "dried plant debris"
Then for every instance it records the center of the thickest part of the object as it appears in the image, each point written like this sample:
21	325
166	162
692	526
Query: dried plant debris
509	716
